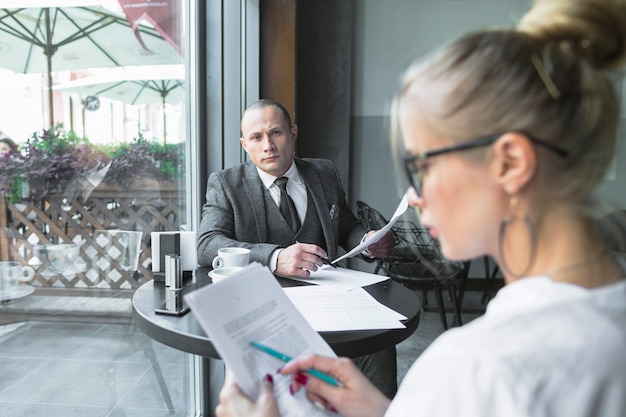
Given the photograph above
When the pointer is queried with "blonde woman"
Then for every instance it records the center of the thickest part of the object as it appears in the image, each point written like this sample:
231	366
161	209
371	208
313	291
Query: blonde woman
507	132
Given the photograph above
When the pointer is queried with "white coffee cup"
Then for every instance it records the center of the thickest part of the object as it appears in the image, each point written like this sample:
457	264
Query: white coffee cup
227	257
222	273
58	257
11	273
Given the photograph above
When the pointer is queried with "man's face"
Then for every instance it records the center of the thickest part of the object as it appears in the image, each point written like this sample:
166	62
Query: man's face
268	139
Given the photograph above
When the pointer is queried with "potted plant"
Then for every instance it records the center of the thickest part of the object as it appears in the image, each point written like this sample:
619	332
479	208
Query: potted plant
55	162
142	158
59	164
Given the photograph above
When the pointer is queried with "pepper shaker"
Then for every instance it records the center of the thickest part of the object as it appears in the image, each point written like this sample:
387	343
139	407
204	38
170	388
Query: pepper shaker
173	272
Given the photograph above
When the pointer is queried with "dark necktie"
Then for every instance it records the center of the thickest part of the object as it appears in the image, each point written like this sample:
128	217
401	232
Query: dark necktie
287	208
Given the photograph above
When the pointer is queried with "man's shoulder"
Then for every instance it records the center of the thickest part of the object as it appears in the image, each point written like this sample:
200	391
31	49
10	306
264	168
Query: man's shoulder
234	172
319	170
317	163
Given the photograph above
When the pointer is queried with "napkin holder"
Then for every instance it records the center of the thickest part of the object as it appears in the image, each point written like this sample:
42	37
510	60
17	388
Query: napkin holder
173	243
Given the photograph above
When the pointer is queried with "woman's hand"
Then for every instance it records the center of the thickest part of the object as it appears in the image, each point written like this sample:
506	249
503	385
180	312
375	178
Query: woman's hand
233	403
357	398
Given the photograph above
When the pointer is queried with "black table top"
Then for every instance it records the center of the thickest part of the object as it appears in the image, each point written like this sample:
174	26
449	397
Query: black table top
184	332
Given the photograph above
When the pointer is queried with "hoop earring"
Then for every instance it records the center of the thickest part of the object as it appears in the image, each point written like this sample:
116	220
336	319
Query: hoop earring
506	222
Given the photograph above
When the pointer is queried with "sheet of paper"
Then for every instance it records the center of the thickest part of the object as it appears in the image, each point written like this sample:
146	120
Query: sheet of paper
404	204
251	306
330	309
342	278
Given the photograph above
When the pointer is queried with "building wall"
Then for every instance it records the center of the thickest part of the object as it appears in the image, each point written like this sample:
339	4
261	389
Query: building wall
388	36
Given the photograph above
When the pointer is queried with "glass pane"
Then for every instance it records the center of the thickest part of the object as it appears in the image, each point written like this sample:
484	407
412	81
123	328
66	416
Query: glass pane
92	160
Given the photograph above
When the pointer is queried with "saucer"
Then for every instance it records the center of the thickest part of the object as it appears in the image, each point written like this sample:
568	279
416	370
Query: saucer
212	276
216	278
17	292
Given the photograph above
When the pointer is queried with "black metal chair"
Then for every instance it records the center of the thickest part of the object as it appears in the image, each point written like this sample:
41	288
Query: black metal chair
417	263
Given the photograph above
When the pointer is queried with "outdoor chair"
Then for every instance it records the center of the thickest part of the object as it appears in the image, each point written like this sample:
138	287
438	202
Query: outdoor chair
417	263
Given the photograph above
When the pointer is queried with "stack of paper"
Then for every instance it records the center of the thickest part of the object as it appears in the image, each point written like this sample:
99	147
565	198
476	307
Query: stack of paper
252	307
330	309
341	278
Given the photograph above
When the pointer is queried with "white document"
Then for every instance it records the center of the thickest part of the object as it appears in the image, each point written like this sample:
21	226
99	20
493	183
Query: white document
404	204
251	306
329	309
341	278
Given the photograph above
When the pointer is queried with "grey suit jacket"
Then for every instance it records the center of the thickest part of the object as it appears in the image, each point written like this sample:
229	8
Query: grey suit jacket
234	213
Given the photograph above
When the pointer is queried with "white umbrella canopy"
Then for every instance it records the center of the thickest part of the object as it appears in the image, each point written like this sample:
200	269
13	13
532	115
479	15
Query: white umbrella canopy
36	37
133	85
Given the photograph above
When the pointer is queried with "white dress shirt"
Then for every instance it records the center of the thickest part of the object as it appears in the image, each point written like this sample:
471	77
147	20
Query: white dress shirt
542	349
296	190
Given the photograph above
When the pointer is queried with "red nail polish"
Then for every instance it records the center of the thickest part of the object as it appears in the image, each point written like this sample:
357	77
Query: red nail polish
333	409
280	369
268	378
291	390
301	378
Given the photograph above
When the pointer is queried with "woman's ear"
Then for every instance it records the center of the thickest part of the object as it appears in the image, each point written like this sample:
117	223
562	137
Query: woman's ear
515	161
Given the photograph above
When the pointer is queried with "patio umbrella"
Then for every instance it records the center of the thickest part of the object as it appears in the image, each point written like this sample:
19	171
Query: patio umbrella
133	85
39	39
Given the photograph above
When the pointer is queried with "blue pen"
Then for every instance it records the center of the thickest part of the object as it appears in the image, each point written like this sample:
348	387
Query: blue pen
285	358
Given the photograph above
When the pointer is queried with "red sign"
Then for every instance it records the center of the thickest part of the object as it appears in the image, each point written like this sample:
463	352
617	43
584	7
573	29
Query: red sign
161	14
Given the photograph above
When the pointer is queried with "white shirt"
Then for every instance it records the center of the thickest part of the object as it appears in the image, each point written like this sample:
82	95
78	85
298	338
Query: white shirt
543	348
296	190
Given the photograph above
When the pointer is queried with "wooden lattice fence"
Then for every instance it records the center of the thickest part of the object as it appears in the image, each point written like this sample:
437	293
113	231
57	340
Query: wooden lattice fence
146	207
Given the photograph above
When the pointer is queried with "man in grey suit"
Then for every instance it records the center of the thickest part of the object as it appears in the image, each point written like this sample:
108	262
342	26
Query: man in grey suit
243	209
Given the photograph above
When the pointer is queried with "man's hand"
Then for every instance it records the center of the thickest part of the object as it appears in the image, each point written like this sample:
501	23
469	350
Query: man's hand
298	259
383	247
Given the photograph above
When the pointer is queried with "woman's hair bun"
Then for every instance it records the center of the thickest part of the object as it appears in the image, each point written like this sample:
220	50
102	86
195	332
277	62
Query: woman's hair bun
594	29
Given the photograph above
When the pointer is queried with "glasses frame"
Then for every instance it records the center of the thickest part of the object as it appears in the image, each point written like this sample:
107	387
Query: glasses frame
411	162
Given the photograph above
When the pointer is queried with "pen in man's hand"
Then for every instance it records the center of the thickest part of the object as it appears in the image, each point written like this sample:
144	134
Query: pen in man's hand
327	262
285	358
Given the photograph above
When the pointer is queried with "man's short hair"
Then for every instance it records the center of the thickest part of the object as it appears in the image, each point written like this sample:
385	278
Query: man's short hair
266	102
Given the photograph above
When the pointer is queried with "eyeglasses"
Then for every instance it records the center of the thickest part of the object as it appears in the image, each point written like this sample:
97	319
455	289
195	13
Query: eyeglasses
412	163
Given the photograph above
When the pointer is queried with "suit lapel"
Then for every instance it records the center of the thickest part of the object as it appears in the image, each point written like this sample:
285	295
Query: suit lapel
317	194
255	193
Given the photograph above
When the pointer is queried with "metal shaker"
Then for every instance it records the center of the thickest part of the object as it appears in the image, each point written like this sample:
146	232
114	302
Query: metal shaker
173	272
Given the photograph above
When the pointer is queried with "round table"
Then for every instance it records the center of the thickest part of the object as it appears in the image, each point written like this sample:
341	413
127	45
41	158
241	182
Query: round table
184	332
